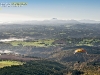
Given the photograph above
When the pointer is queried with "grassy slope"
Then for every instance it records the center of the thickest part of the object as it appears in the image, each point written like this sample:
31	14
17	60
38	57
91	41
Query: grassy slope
9	63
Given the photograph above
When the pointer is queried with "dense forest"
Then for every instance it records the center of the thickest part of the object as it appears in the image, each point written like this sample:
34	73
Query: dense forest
34	68
43	67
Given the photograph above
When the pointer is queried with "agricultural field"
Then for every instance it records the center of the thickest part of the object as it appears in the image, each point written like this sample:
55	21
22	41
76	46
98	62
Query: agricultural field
37	43
9	63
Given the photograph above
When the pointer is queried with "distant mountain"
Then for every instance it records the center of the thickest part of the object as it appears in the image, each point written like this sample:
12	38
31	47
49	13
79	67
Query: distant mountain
88	21
53	21
58	21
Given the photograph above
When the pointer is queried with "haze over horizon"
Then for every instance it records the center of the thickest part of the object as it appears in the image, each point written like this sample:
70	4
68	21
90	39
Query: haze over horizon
48	9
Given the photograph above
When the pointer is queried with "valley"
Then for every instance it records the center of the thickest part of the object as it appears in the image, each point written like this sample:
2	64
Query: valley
53	43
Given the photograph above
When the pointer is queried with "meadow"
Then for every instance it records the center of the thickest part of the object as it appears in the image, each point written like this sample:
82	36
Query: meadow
37	43
9	63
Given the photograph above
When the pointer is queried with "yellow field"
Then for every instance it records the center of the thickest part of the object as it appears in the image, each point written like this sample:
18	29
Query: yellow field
9	63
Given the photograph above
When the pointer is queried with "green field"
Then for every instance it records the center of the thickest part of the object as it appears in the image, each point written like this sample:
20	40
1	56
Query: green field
37	43
9	63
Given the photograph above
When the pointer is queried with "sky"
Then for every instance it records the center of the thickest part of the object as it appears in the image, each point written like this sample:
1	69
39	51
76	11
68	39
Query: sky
48	9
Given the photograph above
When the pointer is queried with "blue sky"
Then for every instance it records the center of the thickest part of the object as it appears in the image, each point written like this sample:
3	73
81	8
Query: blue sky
48	9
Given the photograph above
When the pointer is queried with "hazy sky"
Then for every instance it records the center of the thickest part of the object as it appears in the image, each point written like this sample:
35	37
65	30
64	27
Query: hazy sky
48	9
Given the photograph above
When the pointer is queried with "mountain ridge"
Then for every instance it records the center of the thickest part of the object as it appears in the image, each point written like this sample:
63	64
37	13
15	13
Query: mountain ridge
51	21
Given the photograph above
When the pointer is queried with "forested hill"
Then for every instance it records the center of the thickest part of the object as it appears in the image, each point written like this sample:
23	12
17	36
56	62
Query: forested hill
55	43
47	31
35	68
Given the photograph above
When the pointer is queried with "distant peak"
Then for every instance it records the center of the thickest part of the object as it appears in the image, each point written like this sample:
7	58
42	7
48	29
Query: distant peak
54	18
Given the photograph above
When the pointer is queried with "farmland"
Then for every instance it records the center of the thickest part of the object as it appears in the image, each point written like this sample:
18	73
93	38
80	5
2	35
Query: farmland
9	63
